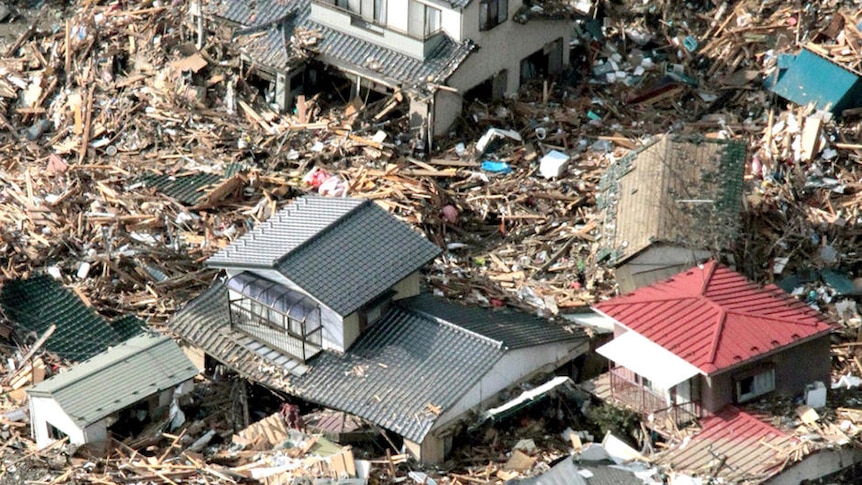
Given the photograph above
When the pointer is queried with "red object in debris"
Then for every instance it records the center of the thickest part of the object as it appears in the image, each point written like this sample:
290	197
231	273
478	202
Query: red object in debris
714	318
575	285
316	177
497	303
450	213
791	21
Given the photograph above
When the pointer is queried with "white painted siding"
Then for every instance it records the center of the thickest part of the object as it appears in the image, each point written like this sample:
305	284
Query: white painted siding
397	14
514	367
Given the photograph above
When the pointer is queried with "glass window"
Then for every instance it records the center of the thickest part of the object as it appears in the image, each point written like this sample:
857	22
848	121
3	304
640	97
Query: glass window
492	13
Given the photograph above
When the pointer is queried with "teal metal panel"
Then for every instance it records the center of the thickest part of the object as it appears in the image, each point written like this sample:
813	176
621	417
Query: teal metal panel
809	77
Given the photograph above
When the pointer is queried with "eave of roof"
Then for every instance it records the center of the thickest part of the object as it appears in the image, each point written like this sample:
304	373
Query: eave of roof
715	319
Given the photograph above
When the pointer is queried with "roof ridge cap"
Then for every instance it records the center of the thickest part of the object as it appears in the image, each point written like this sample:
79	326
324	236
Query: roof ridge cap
706	281
716	337
454	326
317	235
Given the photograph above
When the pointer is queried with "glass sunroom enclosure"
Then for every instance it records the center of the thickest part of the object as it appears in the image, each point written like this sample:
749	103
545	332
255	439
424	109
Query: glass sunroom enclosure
275	315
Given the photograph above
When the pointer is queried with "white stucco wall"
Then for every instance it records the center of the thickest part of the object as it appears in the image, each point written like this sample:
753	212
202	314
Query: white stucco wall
45	411
514	367
817	465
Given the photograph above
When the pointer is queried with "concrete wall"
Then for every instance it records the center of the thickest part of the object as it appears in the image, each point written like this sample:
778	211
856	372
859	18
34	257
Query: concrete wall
497	51
656	263
794	368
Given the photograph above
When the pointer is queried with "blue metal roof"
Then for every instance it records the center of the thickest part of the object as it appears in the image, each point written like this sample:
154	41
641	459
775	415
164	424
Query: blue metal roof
808	77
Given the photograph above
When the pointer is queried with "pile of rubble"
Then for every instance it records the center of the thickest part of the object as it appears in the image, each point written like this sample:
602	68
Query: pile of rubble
131	156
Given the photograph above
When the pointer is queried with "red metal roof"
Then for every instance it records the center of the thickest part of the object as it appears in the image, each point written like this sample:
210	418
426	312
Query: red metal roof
714	317
753	449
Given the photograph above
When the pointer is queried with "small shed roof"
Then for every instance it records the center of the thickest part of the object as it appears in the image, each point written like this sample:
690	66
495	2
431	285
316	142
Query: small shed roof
118	377
685	190
714	318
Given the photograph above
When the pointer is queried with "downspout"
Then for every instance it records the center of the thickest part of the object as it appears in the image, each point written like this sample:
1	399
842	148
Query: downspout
430	133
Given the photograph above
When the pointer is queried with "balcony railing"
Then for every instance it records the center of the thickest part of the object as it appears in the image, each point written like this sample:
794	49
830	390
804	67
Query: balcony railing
286	334
626	389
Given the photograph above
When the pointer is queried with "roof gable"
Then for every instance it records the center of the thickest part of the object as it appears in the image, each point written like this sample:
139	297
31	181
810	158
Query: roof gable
715	318
118	377
329	245
677	189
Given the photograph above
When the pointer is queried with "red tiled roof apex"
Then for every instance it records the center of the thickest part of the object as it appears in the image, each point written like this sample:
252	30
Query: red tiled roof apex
714	317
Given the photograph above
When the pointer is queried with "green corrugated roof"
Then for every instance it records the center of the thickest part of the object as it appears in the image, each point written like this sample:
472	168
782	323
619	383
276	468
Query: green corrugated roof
119	377
36	303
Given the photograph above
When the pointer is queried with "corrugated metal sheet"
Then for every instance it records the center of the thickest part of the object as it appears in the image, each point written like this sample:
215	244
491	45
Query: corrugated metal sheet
677	189
119	377
714	318
752	449
809	78
514	329
38	302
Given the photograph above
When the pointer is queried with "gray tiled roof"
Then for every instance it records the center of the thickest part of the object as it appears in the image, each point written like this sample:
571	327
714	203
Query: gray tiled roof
343	252
333	46
250	13
340	49
388	376
119	377
289	228
396	369
358	259
513	329
35	303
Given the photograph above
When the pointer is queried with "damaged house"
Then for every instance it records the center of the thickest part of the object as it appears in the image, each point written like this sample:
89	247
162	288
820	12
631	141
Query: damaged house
688	346
322	301
669	205
433	51
125	386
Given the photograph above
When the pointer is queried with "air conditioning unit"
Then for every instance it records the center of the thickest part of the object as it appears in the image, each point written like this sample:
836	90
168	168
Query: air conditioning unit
815	394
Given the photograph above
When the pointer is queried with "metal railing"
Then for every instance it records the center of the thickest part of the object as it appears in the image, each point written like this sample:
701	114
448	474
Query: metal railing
626	389
287	335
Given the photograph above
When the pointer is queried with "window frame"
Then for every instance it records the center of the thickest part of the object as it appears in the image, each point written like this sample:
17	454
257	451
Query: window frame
492	13
762	381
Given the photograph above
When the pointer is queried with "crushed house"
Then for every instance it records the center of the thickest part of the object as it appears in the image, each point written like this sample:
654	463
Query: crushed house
322	302
433	51
688	346
123	387
669	205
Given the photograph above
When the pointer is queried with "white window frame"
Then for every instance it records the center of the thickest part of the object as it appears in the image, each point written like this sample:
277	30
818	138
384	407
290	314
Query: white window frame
762	383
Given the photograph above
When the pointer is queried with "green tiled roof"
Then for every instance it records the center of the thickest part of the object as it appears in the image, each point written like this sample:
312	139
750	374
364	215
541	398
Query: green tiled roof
36	303
188	188
118	377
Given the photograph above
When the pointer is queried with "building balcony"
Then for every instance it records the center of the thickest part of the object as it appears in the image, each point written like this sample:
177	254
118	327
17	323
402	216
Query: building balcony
621	386
351	23
286	335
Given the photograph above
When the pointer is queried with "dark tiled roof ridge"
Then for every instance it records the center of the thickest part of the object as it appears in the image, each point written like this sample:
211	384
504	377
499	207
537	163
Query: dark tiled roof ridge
499	344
